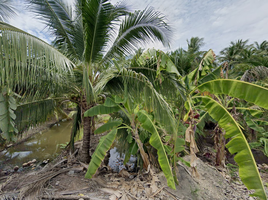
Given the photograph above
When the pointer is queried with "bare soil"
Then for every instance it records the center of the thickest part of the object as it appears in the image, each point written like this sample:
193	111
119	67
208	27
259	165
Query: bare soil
64	179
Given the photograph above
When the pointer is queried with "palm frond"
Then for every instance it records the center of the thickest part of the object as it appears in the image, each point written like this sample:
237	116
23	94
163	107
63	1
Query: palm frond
98	18
58	16
32	113
7	10
255	74
28	63
136	85
136	29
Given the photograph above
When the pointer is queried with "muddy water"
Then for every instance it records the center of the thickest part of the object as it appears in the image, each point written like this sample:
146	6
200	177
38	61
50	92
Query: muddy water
41	146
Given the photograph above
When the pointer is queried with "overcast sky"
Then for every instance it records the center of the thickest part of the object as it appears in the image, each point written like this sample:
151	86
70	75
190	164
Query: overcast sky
217	21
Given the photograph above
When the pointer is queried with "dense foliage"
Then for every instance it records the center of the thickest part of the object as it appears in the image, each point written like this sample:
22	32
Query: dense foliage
159	102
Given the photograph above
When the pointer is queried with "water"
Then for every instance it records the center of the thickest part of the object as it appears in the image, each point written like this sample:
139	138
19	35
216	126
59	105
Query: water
41	146
116	161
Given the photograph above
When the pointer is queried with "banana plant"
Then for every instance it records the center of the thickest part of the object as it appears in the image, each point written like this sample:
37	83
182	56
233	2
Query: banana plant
238	144
139	119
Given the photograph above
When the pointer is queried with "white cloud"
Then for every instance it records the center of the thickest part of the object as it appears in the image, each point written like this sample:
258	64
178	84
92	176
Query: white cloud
218	22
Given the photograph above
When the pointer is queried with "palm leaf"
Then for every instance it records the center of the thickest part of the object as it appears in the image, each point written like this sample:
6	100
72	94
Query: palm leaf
156	142
33	112
136	85
77	120
89	90
7	10
7	115
99	154
98	17
58	16
137	28
238	144
27	64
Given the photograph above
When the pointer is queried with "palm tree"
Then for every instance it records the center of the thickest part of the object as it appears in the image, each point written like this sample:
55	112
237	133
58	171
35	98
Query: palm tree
7	10
90	33
194	45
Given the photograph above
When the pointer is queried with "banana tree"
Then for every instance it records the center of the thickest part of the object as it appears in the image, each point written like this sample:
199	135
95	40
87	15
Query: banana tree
138	119
238	144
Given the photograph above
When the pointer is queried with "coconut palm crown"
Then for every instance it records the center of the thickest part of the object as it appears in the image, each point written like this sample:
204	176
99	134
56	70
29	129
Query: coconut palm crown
88	35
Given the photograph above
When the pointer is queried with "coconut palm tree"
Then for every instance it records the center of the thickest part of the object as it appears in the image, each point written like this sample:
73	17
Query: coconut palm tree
88	34
7	10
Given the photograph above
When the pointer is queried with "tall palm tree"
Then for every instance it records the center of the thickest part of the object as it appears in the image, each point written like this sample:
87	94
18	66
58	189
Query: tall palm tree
90	33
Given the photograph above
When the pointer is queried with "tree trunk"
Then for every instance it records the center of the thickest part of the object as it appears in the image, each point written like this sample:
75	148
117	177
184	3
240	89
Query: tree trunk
88	130
87	127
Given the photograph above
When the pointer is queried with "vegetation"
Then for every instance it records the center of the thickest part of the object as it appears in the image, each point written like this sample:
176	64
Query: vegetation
159	102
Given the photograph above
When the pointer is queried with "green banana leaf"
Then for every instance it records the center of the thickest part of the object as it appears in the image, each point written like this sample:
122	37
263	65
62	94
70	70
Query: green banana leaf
265	142
156	142
211	76
100	110
110	102
238	144
253	125
100	152
238	89
108	126
203	69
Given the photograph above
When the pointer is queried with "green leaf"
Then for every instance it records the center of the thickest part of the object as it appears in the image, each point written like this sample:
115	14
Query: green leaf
156	142
100	110
265	142
118	99
238	89
251	124
108	126
7	116
110	102
129	138
100	152
211	76
184	162
133	148
179	145
248	170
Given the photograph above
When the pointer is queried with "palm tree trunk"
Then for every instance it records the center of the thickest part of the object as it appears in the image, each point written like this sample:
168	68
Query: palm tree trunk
88	130
87	127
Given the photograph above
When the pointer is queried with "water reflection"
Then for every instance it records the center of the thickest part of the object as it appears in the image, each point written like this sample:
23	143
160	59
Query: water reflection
41	146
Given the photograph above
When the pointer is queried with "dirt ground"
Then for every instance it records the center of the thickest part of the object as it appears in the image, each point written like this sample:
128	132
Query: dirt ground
64	179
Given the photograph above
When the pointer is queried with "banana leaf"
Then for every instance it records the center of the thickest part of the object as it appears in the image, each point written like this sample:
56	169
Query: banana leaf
238	89
100	110
238	144
108	126
156	142
100	152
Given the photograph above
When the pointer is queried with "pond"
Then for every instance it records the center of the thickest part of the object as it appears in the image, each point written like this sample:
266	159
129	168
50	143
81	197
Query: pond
44	145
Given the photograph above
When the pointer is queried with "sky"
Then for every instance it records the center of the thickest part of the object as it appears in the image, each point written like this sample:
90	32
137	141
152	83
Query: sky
217	21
